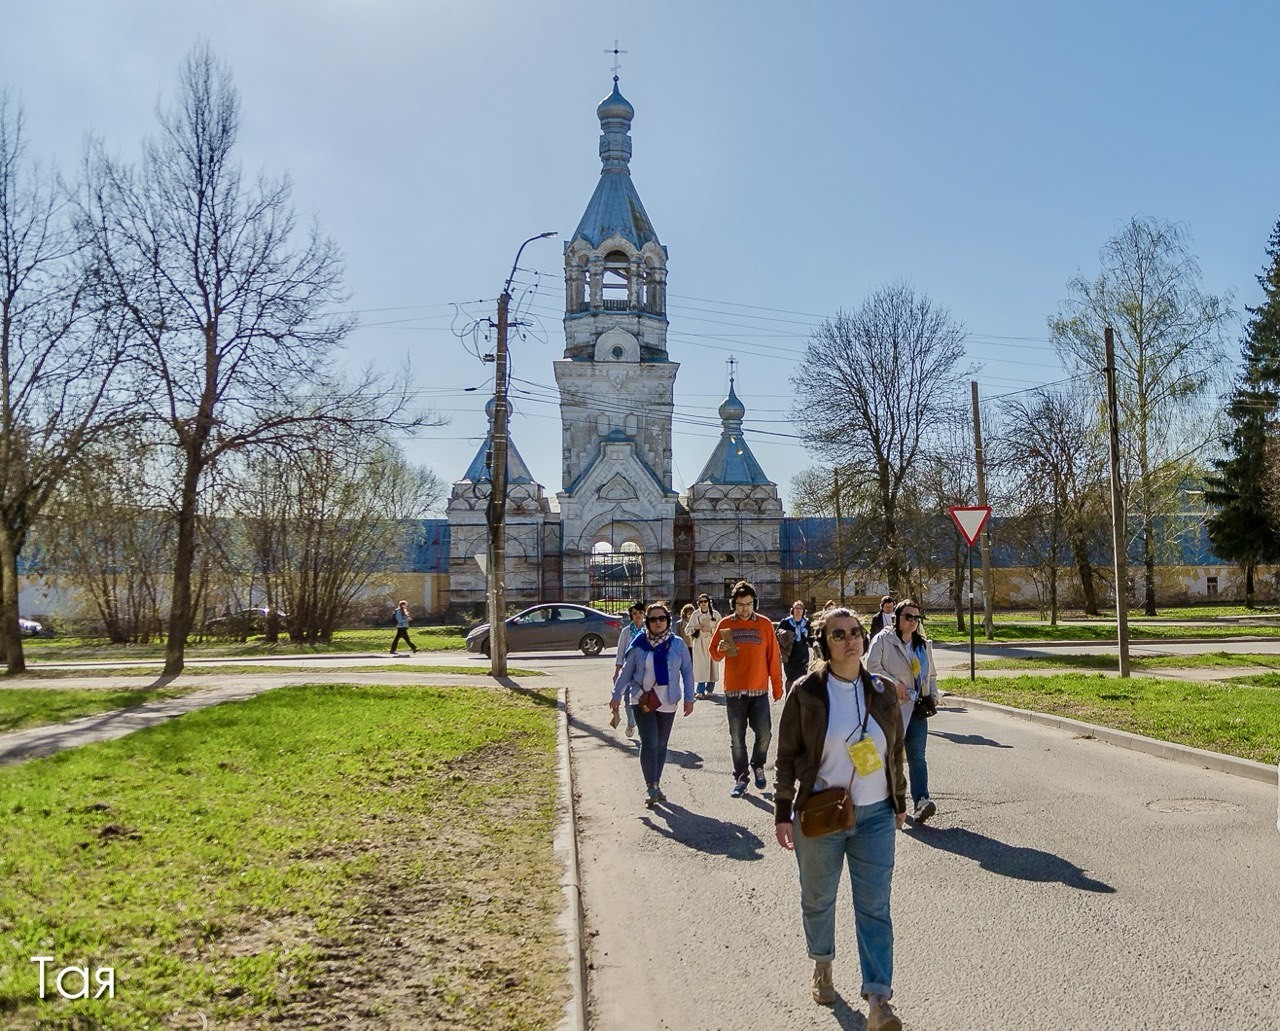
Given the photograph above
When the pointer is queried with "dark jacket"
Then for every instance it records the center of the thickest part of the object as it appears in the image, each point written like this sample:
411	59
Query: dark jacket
802	730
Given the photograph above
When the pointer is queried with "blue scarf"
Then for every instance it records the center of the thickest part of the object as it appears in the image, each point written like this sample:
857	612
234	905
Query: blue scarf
659	649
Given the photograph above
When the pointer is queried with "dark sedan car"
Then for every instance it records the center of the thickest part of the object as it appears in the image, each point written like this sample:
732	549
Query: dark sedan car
553	627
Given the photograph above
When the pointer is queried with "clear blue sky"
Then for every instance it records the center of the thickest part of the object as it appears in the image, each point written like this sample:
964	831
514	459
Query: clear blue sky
791	157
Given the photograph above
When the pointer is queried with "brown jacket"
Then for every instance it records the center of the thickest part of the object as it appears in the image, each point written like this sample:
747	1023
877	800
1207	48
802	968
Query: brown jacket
802	730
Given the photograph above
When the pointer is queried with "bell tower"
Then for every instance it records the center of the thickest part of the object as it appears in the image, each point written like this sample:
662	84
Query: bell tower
616	380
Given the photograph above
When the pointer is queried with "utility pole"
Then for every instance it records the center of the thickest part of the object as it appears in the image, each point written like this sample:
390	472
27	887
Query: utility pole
1119	535
988	622
497	512
839	538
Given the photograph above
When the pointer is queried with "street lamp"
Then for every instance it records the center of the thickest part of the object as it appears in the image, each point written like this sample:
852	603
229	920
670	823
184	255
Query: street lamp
497	591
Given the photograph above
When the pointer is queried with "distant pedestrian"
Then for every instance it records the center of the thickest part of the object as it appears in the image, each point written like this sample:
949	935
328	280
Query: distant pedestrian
680	627
884	617
699	629
402	628
657	660
902	655
745	641
625	637
797	659
841	732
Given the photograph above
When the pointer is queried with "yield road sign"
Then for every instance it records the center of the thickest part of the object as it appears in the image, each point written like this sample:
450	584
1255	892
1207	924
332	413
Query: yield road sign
970	520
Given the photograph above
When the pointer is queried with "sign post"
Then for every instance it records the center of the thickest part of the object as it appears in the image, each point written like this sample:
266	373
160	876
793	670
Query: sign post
969	520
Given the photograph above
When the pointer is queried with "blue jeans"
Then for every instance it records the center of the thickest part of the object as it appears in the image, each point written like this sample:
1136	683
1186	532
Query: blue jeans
868	848
917	768
654	729
744	711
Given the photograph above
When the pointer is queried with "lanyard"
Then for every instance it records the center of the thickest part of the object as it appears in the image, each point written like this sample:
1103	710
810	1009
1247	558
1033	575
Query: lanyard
858	691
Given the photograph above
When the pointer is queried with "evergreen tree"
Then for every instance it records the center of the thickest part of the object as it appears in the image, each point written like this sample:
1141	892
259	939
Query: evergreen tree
1245	529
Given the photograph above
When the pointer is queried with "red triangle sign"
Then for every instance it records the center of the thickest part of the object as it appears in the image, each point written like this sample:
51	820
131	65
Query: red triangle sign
970	520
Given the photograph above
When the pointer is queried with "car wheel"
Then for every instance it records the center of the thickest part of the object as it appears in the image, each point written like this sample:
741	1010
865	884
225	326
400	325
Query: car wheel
484	648
592	644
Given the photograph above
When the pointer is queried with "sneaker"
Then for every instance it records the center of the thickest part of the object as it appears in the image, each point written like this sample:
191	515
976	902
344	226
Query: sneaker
739	788
824	989
652	797
924	809
761	781
631	730
659	795
881	1016
698	692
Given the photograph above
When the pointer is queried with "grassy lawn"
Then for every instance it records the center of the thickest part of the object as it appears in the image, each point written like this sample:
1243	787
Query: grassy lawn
1233	718
311	852
71	649
245	668
1208	660
943	628
34	707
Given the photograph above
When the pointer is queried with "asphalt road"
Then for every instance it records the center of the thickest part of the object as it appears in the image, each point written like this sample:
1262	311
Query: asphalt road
1064	883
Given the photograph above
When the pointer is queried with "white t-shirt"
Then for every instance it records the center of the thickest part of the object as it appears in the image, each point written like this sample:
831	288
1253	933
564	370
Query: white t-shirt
668	692
844	727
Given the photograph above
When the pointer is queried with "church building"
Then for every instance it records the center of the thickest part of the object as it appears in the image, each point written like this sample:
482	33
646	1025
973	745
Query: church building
618	529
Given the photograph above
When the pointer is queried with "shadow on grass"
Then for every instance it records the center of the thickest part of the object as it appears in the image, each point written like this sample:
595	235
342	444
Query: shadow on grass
1016	861
705	834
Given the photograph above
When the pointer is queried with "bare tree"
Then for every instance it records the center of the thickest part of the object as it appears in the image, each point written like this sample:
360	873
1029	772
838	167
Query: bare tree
322	522
873	385
57	358
1051	446
1170	337
232	306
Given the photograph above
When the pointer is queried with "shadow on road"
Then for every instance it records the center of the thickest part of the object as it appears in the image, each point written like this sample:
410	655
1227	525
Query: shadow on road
685	760
705	834
612	738
969	739
1024	864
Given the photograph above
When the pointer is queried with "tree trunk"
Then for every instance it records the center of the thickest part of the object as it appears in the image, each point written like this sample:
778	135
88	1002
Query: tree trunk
1149	565
1084	568
1248	585
10	638
183	562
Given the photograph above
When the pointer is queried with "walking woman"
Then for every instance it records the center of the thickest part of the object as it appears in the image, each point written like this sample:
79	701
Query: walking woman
402	628
797	661
840	729
700	628
902	655
656	661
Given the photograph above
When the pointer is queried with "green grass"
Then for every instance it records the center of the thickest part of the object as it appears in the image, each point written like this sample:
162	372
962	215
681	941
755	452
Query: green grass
1207	660
293	856
245	669
22	707
1233	718
72	649
943	629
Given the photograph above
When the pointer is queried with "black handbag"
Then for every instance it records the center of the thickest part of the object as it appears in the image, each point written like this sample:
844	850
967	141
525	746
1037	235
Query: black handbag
926	706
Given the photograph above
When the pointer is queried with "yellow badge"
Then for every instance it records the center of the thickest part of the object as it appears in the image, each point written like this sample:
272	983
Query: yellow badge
866	759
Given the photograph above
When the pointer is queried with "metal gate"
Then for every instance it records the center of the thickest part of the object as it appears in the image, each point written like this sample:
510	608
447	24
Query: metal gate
617	579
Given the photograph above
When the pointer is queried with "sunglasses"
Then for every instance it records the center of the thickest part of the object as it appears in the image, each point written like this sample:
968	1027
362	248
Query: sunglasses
912	617
840	634
658	619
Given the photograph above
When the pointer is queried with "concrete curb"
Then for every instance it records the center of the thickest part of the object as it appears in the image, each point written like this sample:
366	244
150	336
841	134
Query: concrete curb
566	848
1164	749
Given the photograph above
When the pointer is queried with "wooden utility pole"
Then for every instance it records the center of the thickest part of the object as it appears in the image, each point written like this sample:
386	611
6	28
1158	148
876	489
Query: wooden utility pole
988	622
1119	534
497	586
839	537
498	503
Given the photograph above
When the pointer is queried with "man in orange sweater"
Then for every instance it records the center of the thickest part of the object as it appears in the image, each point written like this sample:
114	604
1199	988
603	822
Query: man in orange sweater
745	641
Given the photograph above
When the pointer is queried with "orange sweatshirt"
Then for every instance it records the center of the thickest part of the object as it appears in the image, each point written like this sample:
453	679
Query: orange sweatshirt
757	666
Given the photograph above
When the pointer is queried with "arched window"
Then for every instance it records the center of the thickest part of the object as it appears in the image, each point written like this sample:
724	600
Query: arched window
616	281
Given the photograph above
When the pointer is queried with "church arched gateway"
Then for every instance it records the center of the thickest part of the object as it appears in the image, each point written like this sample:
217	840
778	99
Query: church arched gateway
617	530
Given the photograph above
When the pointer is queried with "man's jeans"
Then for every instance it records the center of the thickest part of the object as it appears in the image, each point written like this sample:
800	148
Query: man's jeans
868	849
918	770
655	730
744	711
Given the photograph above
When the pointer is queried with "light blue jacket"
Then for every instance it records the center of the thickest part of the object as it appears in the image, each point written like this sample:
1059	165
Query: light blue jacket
630	680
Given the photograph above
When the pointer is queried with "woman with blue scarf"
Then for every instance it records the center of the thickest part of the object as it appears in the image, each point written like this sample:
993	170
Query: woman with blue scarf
658	661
